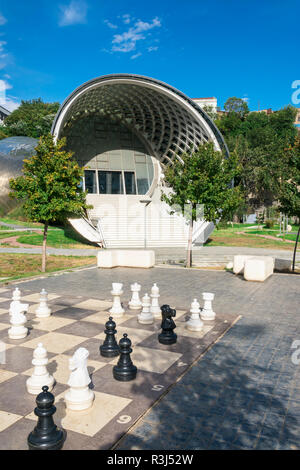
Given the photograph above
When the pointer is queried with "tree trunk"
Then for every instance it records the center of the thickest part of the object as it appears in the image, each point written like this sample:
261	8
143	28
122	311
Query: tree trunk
189	248
295	249
44	247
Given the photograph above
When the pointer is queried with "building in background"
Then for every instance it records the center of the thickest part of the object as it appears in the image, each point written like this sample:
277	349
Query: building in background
3	114
207	103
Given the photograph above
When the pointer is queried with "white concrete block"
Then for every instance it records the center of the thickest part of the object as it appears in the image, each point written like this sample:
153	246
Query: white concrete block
239	263
126	258
258	269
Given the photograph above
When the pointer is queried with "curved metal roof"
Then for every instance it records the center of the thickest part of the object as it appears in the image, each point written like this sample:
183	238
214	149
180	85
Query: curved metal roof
161	115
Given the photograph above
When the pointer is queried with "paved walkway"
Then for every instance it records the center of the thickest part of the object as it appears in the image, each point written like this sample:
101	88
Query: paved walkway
245	391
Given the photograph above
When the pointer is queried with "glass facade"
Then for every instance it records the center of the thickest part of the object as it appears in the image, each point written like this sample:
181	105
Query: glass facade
119	172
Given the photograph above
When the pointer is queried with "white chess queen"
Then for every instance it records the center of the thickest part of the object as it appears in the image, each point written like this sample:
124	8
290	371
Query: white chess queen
79	396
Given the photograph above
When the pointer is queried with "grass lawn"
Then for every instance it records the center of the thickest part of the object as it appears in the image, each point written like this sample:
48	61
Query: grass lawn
8	220
58	238
228	237
5	234
15	266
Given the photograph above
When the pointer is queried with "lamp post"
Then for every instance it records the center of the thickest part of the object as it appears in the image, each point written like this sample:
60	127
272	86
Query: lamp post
146	202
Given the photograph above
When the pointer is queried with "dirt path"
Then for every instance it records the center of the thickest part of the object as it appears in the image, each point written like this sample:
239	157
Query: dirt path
269	237
12	241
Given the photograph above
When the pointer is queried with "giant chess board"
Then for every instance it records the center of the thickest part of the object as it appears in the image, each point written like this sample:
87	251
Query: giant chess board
79	322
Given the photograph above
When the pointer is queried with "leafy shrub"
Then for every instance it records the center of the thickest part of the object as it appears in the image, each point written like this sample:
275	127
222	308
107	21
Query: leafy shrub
269	223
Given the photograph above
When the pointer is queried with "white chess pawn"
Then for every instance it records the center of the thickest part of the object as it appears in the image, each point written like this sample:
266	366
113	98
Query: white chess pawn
117	309
135	303
194	323
18	320
79	397
43	311
16	299
155	309
207	312
40	376
146	317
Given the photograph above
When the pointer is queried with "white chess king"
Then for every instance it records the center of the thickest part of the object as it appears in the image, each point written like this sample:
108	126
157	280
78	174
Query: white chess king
40	376
43	311
79	397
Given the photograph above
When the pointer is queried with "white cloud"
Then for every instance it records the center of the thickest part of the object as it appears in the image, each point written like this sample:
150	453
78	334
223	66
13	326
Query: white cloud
126	42
110	25
74	13
135	56
3	20
152	48
126	18
9	102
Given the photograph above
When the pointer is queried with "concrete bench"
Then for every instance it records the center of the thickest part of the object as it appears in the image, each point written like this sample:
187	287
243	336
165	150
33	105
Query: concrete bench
126	258
258	268
239	263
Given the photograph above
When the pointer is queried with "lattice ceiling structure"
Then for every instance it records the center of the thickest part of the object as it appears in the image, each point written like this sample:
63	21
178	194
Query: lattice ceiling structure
165	119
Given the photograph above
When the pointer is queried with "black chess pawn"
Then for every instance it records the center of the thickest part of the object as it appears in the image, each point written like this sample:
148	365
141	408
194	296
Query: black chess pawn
46	435
167	336
110	346
125	370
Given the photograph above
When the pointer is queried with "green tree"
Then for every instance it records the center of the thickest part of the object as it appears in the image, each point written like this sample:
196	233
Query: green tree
289	188
50	186
237	106
204	178
32	118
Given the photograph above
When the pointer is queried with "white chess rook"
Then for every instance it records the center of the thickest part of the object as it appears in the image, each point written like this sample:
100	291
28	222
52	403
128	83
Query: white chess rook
135	302
16	299
117	309
79	397
18	321
146	317
155	309
207	312
40	376
43	311
194	323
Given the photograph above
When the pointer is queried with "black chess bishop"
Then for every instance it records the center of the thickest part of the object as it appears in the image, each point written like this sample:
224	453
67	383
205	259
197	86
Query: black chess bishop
125	370
46	435
167	335
110	347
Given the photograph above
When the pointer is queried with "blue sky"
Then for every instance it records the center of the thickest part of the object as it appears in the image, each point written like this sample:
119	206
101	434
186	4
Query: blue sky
222	48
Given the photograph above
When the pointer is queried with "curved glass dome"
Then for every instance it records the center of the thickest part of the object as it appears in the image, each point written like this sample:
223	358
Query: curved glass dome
13	150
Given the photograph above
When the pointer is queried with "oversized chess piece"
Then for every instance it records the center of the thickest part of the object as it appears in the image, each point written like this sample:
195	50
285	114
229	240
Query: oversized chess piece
40	374
18	320
154	309
207	312
125	370
16	299
146	317
110	347
46	435
43	311
117	309
194	323
167	336
79	397
135	303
